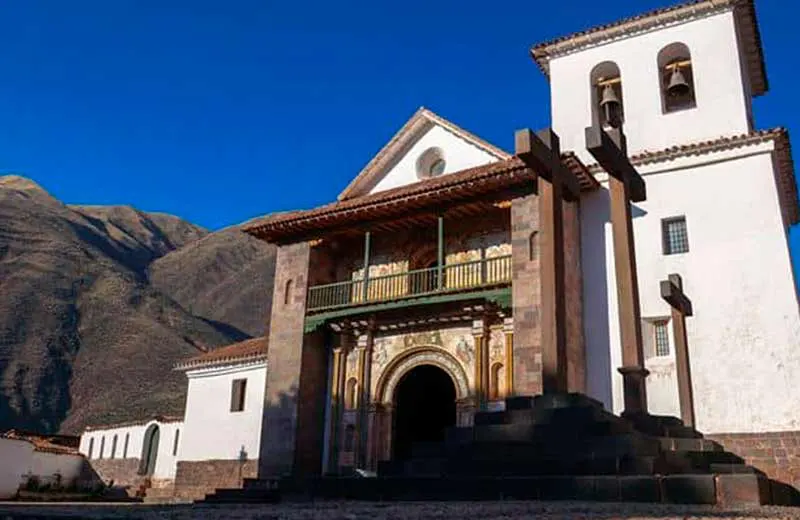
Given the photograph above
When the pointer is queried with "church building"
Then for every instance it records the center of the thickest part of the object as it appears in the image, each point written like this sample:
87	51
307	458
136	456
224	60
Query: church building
637	253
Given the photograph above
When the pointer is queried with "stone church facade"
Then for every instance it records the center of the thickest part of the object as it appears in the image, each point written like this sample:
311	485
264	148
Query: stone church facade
438	284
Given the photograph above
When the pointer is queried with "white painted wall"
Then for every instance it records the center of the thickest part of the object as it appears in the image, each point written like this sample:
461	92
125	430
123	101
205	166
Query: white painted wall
723	99
165	459
15	456
212	431
458	154
745	334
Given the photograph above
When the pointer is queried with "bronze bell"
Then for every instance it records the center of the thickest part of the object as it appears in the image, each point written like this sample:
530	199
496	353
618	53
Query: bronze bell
678	86
609	103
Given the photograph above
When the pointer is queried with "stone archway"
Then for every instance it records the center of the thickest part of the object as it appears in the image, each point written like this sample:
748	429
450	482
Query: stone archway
383	410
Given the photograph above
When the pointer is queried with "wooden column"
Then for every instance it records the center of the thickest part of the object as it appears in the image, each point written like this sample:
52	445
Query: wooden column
367	247
625	186
672	292
541	152
440	253
508	334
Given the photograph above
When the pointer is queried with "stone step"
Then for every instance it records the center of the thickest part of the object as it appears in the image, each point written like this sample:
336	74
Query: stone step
692	444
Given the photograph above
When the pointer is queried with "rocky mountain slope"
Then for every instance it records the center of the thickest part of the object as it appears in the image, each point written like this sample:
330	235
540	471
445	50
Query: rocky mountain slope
98	303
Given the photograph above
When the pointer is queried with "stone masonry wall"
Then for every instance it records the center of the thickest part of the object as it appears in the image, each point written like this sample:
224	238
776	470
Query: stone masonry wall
195	479
526	295
776	454
573	281
284	360
124	472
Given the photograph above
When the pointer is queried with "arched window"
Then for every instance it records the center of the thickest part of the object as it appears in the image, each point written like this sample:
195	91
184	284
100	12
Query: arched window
102	445
125	446
607	95
114	447
533	246
495	382
287	292
91	447
676	78
350	396
175	442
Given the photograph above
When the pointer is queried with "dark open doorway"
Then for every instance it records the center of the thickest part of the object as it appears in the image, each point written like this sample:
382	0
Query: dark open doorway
147	464
425	406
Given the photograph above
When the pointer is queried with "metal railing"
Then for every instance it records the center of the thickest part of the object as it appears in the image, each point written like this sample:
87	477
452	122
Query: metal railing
419	282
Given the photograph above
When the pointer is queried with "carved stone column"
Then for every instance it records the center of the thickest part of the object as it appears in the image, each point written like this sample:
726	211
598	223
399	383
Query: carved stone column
365	344
480	334
508	333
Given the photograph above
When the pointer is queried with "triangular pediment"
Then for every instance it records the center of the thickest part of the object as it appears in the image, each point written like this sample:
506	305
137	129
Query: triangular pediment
426	146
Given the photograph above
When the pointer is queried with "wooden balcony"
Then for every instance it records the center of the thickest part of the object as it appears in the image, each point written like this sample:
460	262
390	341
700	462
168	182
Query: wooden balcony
421	282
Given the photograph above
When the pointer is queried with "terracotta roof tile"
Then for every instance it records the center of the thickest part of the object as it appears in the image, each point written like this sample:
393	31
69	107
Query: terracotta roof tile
743	9
163	419
60	444
250	349
428	191
787	184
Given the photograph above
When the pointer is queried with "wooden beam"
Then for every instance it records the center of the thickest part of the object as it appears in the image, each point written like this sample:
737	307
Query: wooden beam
672	292
610	151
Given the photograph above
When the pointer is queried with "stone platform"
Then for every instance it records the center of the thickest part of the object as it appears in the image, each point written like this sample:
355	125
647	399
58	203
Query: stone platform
551	447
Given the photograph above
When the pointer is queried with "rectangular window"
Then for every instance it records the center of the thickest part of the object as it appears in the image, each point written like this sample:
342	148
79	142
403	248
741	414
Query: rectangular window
237	394
662	338
175	443
674	236
125	447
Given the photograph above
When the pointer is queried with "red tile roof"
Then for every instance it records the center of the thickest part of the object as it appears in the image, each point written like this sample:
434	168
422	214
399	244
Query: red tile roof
59	444
423	194
787	184
248	350
744	10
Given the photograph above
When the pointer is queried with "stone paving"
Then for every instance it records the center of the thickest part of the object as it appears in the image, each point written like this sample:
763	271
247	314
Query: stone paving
393	510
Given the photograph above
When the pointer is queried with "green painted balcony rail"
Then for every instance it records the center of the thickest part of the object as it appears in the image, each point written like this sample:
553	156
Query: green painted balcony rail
455	277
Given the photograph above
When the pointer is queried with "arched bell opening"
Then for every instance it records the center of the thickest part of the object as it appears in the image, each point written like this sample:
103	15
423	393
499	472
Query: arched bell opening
676	78
607	95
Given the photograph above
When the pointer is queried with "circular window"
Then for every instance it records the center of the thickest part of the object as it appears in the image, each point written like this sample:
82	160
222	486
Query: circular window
431	163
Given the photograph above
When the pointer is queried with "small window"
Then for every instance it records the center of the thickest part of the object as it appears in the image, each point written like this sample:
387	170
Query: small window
287	294
125	446
675	237
114	447
533	246
91	447
431	163
102	445
237	394
175	442
661	337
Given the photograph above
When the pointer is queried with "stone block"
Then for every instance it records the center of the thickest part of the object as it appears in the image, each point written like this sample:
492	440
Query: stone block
639	489
742	490
689	489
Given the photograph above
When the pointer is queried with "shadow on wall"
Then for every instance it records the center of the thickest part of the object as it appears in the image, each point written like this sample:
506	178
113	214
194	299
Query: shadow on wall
595	262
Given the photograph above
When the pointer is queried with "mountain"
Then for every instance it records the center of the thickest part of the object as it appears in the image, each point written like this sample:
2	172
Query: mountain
97	303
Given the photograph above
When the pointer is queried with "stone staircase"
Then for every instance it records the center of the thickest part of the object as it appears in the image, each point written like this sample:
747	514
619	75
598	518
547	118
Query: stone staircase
551	447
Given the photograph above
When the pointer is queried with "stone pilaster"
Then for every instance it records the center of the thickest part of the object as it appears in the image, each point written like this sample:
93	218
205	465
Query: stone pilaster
481	336
365	344
508	334
337	403
526	295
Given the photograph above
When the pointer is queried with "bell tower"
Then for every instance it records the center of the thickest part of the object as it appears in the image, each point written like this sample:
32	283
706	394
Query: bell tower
674	76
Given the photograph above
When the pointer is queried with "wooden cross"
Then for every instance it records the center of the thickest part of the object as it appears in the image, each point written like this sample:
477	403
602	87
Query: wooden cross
625	186
672	292
555	182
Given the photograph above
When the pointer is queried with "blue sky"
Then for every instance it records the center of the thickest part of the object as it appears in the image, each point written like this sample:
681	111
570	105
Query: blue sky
220	111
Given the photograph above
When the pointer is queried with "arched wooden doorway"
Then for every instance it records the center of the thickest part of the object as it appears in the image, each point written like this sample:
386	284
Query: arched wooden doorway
425	407
147	465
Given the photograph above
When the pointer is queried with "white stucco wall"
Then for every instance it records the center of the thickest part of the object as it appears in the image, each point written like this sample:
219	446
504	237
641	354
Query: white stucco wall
458	154
15	456
745	334
212	431
721	93
165	459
